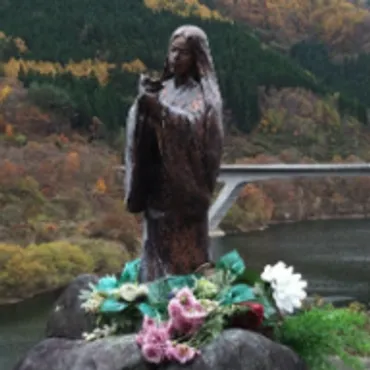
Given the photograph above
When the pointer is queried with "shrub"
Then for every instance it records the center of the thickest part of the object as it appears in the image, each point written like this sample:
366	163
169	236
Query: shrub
253	209
44	266
234	219
6	252
320	332
108	256
118	226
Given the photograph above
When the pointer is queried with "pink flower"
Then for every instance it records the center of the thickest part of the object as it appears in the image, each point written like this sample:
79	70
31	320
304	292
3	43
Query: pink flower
181	353
195	312
148	322
186	318
156	335
186	296
152	333
175	309
153	352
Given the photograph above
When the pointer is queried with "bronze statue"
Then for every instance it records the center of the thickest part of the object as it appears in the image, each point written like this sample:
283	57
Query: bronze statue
173	154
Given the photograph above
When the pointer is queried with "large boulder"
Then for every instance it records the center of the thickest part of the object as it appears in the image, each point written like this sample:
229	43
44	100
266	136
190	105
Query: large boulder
235	349
67	319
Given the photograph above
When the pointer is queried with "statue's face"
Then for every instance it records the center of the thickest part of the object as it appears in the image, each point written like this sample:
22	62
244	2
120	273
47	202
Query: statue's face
180	57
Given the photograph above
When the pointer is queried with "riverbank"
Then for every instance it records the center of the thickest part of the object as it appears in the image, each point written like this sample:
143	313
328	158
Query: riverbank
47	267
8	302
220	232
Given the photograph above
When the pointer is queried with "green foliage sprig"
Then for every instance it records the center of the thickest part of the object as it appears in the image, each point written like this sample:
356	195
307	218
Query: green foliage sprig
320	332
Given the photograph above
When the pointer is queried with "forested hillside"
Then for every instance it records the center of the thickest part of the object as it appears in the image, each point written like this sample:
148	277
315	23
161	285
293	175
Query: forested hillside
330	38
68	73
130	31
342	24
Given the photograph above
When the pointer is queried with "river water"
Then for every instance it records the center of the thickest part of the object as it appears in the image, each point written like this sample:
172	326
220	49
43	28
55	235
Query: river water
334	256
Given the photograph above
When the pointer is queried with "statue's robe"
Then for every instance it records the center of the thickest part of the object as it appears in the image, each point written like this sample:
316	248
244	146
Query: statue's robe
172	166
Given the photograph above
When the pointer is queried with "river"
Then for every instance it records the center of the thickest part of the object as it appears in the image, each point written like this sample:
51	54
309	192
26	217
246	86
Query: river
333	256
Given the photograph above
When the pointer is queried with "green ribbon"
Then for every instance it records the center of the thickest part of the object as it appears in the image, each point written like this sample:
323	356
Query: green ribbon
111	305
130	273
106	283
236	294
231	262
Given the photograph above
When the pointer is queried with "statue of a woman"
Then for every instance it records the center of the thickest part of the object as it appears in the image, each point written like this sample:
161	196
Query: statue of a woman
173	154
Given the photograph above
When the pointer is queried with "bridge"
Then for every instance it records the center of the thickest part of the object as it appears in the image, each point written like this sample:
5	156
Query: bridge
235	177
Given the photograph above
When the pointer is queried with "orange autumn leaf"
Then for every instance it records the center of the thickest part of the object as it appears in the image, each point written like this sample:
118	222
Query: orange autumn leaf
100	186
9	130
72	163
51	227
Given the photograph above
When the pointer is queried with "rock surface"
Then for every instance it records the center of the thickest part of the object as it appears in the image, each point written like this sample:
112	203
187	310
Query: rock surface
67	319
63	350
233	350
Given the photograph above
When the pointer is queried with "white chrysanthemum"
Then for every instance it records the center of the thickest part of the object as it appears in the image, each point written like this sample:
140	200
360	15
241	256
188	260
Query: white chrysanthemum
288	288
93	303
91	299
129	292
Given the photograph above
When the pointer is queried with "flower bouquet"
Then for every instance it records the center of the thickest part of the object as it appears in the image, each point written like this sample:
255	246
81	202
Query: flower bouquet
174	317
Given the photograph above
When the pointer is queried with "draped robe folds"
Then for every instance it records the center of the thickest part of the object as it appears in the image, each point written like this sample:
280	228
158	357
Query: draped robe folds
171	171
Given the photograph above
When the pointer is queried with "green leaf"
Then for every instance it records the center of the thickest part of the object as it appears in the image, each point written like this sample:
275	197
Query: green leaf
232	262
158	290
110	305
147	310
237	294
130	272
107	283
181	281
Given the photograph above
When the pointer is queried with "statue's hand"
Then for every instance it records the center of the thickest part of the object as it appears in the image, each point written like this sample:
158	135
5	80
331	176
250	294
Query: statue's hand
147	84
151	103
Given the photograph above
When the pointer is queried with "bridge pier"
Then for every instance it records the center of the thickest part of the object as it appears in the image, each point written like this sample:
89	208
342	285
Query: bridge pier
226	198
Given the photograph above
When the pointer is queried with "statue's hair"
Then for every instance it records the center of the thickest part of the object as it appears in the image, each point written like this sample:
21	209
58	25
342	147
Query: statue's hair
204	72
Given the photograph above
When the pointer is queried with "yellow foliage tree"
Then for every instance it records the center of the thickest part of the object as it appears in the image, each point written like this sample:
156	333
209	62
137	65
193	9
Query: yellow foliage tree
136	66
4	93
336	22
19	43
185	8
333	21
84	68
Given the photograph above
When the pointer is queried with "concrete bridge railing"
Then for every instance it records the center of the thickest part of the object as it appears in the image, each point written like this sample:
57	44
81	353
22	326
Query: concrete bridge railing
235	177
